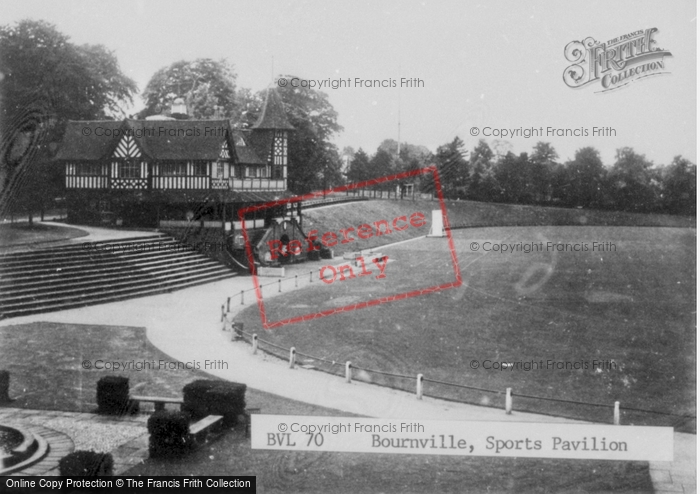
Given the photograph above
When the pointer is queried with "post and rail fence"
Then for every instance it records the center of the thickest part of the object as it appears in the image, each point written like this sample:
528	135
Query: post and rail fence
423	385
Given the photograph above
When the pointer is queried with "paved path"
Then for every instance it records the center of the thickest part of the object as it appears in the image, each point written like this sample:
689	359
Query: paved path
186	326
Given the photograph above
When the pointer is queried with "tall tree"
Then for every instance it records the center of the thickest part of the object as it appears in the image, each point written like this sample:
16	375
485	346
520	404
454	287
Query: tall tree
359	169
48	80
453	168
77	82
381	165
250	105
543	162
346	156
635	185
585	179
515	178
482	183
410	157
680	187
207	86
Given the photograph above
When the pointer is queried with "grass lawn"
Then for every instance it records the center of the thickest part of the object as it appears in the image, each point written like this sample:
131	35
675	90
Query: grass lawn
25	234
634	306
44	360
45	364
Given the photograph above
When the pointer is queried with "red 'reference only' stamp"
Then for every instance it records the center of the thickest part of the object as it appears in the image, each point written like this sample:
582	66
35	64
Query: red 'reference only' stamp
329	274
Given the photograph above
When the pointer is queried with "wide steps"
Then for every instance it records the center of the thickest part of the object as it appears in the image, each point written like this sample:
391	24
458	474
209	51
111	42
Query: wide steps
78	275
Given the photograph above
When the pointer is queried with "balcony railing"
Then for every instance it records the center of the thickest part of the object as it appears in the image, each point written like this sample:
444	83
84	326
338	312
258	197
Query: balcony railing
174	182
87	182
258	184
179	182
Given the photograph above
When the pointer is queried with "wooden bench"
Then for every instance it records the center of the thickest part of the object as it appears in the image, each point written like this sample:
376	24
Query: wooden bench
158	401
200	429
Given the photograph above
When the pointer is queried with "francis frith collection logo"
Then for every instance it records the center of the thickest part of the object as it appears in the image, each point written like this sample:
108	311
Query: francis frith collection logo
615	63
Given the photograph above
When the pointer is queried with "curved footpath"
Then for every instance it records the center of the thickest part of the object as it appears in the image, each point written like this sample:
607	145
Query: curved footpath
186	326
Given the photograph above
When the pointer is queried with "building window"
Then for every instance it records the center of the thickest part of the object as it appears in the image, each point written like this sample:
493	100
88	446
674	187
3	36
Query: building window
199	168
173	169
220	169
129	169
88	169
255	171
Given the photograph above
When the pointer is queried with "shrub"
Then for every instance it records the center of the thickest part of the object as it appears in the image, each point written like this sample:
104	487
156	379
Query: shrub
169	433
83	463
113	395
207	397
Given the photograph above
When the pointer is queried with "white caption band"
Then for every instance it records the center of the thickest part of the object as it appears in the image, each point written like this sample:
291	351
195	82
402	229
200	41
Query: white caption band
463	438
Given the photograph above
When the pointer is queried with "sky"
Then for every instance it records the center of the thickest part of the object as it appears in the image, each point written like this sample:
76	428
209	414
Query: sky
480	65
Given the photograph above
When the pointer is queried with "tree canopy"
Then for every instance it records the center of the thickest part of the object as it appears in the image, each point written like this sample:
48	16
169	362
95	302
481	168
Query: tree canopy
47	80
207	86
315	162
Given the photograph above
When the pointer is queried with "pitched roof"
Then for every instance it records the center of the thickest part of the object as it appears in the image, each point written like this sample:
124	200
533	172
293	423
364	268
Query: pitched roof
273	115
181	139
158	140
86	140
261	143
247	156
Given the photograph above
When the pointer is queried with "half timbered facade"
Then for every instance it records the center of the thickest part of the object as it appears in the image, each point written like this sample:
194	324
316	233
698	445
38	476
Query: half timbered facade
167	172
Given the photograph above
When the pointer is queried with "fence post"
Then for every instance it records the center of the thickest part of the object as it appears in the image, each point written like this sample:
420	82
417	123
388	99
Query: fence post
255	344
348	372
310	273
296	281
509	400
228	304
616	413
292	357
419	386
242	298
236	331
279	285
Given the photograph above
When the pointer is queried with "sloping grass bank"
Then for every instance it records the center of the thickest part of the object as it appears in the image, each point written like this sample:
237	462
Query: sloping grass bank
465	214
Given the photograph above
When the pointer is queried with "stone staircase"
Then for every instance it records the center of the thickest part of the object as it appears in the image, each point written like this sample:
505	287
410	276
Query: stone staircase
93	273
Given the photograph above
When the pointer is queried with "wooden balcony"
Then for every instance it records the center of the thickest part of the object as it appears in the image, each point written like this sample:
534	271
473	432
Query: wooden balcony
258	184
179	182
183	182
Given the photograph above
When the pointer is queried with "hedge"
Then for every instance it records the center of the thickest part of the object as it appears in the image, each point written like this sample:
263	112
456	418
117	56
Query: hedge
83	463
113	395
169	433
